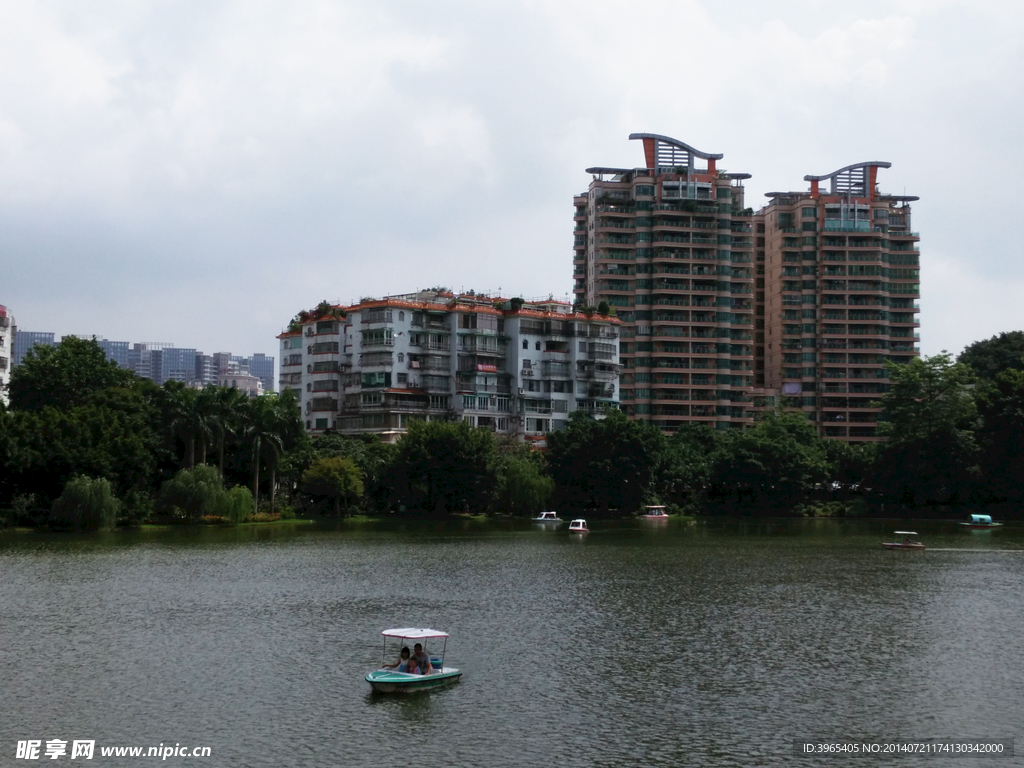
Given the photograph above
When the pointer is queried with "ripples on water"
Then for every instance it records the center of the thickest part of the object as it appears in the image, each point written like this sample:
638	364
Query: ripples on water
709	644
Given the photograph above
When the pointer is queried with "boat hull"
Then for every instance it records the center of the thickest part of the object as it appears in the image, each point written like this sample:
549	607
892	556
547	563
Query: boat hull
898	545
389	681
981	526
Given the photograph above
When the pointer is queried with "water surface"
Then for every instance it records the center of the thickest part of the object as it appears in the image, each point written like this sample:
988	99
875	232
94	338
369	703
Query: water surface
715	643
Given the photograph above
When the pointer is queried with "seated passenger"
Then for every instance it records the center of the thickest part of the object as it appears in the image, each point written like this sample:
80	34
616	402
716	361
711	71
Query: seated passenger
422	659
403	660
413	667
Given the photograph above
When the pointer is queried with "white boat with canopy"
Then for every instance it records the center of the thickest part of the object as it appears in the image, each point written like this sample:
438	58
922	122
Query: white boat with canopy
385	680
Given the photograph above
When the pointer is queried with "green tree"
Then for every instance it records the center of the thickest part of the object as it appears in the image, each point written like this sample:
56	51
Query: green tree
930	420
186	418
689	458
226	406
374	458
522	485
992	356
777	463
604	463
64	376
337	478
446	466
272	424
86	504
1000	403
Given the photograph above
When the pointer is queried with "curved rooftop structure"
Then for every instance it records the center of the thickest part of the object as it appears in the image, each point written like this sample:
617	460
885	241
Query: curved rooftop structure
857	180
666	152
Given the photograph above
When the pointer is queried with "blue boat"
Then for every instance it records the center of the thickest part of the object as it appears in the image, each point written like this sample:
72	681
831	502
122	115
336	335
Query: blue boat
981	523
385	680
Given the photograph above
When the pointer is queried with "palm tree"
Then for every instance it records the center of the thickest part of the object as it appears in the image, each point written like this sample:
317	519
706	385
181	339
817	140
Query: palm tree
273	425
184	419
228	414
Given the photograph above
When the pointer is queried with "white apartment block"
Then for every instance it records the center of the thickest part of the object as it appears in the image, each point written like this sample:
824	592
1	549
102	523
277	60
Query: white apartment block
7	333
515	368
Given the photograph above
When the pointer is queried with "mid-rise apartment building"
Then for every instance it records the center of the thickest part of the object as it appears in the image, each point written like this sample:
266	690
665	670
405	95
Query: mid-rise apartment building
841	289
670	246
517	368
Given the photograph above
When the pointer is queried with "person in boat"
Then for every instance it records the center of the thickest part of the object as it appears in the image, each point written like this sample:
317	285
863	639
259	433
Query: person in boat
412	668
422	660
403	660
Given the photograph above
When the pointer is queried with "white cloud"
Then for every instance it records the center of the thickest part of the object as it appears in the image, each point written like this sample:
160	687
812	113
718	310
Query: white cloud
169	162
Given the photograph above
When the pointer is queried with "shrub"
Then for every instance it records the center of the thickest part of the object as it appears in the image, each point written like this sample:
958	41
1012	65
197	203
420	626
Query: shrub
235	505
85	505
192	493
199	492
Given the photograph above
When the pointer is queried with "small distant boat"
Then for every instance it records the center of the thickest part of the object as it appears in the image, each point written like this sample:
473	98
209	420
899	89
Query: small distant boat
909	541
548	517
392	681
981	523
654	512
578	526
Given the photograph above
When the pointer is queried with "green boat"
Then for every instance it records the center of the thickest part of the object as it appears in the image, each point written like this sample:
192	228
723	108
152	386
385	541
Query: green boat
385	680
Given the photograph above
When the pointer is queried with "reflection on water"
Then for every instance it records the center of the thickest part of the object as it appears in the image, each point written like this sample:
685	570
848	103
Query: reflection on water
715	643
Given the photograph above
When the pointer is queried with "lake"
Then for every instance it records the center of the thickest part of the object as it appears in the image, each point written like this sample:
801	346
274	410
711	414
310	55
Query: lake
718	642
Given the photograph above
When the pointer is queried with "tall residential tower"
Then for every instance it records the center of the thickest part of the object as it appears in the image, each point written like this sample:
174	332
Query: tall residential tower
842	283
670	247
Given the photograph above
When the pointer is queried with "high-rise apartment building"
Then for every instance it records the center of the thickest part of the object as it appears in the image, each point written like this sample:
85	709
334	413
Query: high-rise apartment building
674	249
841	290
670	246
517	368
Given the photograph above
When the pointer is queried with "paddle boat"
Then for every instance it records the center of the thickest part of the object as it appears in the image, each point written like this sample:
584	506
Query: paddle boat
981	523
386	680
909	541
656	513
578	526
548	518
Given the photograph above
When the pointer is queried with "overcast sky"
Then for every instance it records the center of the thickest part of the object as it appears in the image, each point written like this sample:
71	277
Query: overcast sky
198	172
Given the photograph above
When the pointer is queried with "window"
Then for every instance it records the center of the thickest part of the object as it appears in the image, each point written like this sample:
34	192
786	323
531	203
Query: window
469	401
809	213
403	379
537	346
526	344
401	317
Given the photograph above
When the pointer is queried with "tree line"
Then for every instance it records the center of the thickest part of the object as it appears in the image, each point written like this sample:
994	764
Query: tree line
85	444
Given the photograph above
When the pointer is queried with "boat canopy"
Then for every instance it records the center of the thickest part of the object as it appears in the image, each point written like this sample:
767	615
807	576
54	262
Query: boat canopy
981	519
413	634
905	533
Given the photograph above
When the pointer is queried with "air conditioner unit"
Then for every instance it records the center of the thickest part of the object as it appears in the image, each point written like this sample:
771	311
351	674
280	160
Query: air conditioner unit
494	399
414	363
520	390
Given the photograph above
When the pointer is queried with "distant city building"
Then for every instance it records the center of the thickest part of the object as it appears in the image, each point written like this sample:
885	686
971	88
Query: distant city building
8	331
262	367
25	340
116	351
157	361
250	385
516	368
